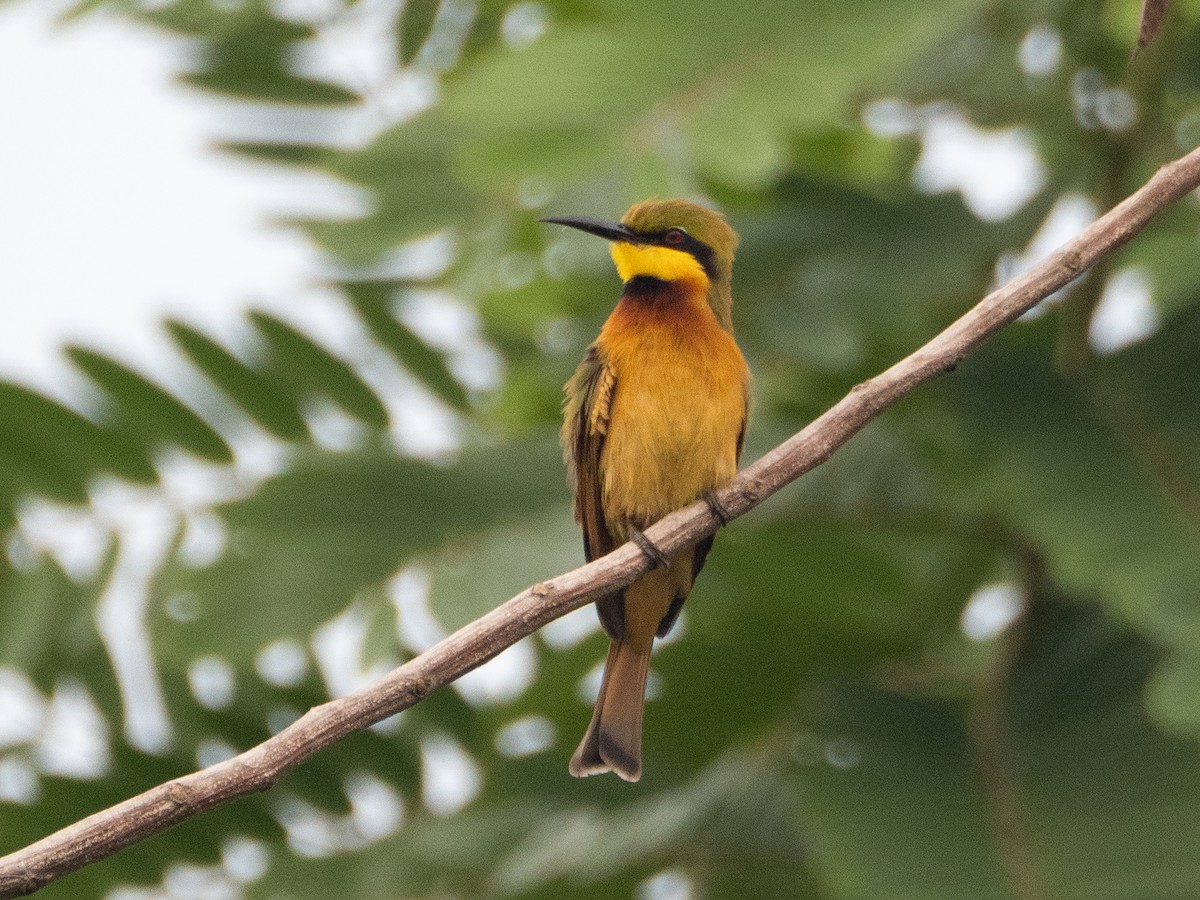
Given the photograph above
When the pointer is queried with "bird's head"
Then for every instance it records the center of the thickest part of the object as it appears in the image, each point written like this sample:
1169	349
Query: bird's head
671	241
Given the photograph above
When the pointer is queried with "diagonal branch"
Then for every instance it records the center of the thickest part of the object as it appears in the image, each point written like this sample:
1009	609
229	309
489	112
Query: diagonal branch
1153	13
105	833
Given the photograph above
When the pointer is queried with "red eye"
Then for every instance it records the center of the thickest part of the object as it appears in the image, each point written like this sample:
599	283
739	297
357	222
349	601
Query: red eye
675	236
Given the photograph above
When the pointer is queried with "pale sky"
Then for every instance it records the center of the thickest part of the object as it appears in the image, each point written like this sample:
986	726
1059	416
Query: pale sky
114	208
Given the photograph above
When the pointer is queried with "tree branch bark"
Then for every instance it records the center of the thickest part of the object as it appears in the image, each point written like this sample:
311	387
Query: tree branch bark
107	832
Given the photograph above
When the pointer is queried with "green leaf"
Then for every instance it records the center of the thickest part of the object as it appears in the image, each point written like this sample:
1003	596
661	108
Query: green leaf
471	576
895	804
410	173
65	435
306	365
310	540
248	58
45	621
837	595
299	155
253	392
149	412
1168	256
732	803
735	125
1090	486
24	470
416	21
372	300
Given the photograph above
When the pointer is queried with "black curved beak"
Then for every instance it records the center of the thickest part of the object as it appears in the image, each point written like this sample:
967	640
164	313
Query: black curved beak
612	231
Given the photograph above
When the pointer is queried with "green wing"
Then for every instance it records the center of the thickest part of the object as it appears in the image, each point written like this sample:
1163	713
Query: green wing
586	411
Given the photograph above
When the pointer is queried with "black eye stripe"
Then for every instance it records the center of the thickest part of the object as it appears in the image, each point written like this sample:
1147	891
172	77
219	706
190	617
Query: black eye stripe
688	244
704	255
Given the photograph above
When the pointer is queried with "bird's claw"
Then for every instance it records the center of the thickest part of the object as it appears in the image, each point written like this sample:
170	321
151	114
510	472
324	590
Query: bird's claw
717	508
647	546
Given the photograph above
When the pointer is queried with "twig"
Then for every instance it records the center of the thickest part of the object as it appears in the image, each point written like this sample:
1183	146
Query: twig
104	833
1153	13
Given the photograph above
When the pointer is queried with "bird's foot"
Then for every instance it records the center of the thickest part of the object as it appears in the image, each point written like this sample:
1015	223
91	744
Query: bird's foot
717	508
647	546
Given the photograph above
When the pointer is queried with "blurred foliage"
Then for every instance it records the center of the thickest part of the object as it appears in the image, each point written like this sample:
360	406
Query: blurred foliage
824	727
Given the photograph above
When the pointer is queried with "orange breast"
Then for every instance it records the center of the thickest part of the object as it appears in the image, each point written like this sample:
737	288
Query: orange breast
678	408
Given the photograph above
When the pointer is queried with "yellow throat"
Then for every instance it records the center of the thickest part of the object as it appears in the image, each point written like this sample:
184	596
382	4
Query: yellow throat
663	263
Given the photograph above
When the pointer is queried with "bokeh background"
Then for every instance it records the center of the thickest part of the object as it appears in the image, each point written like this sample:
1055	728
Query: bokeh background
302	423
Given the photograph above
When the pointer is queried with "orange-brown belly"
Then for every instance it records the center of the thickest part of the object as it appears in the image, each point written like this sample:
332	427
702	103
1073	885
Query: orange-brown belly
676	416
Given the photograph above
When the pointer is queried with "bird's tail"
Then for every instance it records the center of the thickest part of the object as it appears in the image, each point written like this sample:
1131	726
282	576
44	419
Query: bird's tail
613	742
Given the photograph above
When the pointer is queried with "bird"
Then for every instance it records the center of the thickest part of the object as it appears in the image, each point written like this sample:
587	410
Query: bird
654	419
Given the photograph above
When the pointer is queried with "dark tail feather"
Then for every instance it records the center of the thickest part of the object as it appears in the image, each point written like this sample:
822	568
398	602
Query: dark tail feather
613	742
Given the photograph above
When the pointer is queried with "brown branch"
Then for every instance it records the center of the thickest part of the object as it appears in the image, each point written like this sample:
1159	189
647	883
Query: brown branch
106	832
1153	13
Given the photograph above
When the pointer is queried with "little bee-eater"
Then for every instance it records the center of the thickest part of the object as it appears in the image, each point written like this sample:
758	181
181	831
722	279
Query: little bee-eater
654	419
